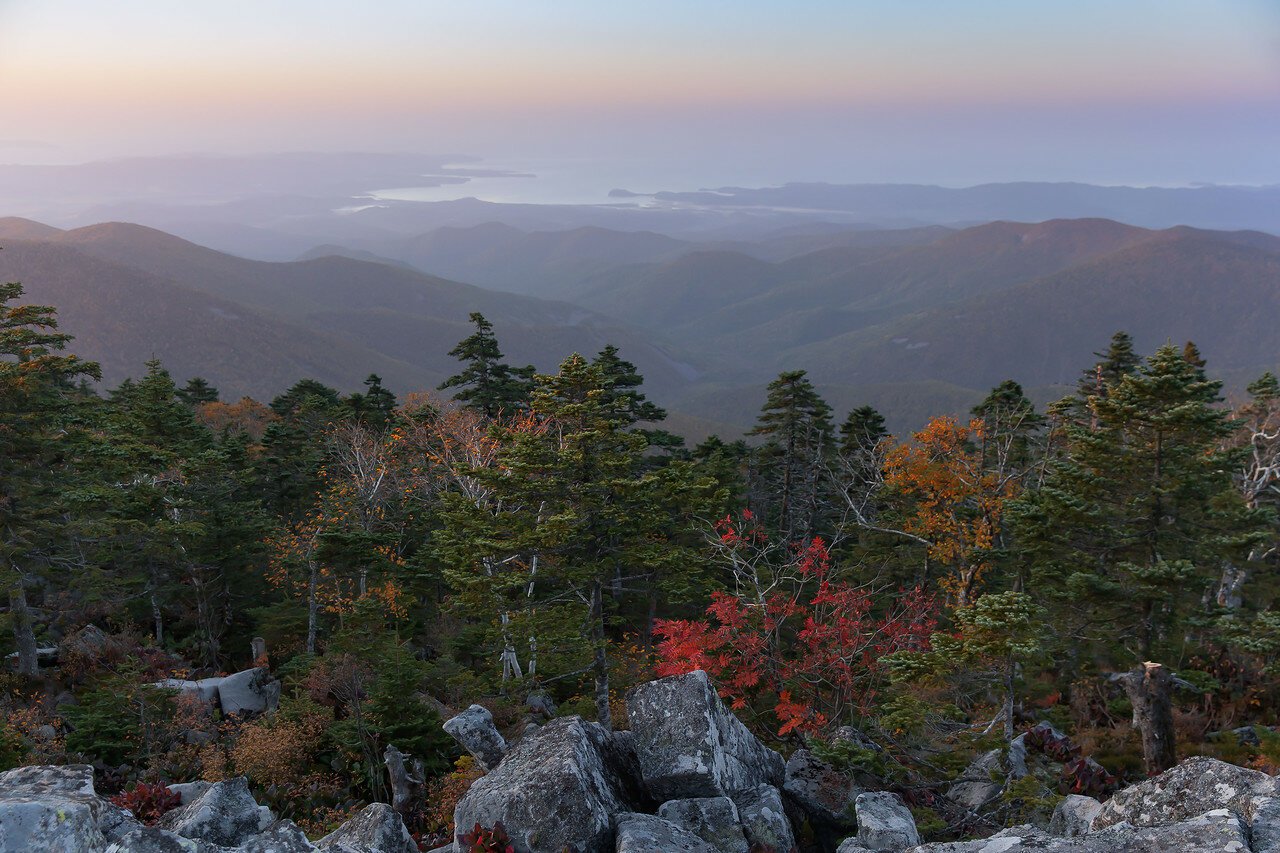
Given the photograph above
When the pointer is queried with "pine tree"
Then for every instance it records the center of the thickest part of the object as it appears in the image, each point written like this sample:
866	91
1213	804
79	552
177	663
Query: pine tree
622	383
796	425
488	384
37	398
376	406
862	430
1140	508
197	391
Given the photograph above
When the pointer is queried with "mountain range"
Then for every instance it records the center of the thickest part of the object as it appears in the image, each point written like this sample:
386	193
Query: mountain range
917	321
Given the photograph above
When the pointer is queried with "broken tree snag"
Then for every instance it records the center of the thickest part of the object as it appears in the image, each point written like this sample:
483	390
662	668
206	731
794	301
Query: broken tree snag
1150	689
406	789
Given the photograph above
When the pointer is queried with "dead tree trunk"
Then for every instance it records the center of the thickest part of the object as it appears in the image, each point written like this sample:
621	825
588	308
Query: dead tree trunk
406	789
601	663
23	630
1150	689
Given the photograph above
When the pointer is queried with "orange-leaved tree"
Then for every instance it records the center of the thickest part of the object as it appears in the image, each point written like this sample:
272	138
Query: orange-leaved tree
953	502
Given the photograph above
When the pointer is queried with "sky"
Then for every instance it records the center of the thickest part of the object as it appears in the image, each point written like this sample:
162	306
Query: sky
677	93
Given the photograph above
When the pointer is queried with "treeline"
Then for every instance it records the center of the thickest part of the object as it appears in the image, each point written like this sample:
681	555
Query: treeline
539	544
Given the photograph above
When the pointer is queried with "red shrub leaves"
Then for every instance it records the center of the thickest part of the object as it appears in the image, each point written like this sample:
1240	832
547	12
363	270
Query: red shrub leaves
793	639
148	802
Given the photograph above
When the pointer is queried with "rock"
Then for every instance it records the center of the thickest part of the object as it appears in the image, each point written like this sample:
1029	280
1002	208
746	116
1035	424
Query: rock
86	646
206	690
224	814
1074	816
764	819
978	787
1264	828
884	823
851	845
45	656
1193	787
539	705
45	733
690	745
643	833
152	839
1217	831
557	787
56	808
823	793
189	791
252	691
474	730
282	836
377	829
713	819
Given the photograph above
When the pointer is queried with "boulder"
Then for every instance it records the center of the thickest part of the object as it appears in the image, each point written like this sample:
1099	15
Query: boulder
643	833
884	823
1264	825
764	819
206	690
557	787
474	730
1074	816
376	829
1217	831
282	836
851	845
981	782
690	745
1193	787
152	839
188	791
225	814
251	691
713	819
824	794
56	808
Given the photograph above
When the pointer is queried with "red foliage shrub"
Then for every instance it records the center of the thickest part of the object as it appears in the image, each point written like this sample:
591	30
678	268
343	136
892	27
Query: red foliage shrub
148	802
794	637
481	840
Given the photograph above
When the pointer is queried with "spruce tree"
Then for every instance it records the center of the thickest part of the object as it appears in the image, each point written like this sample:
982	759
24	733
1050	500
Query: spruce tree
622	383
1139	511
795	423
487	383
37	401
197	391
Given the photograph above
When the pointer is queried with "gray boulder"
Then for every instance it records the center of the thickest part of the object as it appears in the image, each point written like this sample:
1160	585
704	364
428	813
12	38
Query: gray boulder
824	794
713	819
764	818
690	745
1217	831
152	839
1264	825
1195	786
282	836
644	833
376	829
56	808
884	823
851	845
557	787
206	690
189	791
981	782
225	814
1074	816
474	730
251	691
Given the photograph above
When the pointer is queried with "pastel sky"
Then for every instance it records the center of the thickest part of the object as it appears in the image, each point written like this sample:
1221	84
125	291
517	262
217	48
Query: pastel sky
720	91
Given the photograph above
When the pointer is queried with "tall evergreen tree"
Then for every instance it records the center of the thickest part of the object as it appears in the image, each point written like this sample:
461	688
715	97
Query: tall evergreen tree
37	394
197	391
622	383
795	423
376	406
487	383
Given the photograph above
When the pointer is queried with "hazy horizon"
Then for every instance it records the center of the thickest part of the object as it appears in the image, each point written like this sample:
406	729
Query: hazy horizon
668	96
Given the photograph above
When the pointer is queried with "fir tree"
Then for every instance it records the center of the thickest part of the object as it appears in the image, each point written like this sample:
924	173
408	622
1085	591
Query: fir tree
795	423
487	383
197	391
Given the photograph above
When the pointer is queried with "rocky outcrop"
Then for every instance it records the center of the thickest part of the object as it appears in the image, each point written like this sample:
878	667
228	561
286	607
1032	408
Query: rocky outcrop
475	732
764	818
690	745
225	814
642	833
1217	831
376	829
56	808
557	787
251	691
1193	787
884	823
823	795
1074	816
713	819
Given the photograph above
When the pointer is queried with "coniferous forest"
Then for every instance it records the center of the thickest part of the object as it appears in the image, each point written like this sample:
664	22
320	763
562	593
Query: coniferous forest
538	544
